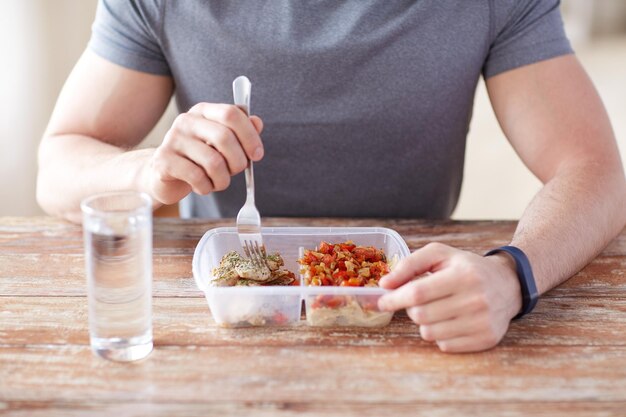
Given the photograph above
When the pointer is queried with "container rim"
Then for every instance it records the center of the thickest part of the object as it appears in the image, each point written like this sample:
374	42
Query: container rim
87	209
301	289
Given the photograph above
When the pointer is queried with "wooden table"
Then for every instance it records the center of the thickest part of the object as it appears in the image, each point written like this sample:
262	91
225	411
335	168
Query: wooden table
567	358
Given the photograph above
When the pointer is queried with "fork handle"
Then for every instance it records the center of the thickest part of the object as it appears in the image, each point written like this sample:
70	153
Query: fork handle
249	173
241	95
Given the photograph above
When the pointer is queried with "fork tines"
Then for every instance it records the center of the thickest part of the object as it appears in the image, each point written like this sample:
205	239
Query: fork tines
255	252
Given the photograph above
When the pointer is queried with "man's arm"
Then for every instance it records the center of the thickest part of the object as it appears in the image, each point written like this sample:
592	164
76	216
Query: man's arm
105	110
102	111
556	122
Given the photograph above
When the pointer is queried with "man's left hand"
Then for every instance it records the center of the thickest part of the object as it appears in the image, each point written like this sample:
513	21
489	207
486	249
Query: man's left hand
460	300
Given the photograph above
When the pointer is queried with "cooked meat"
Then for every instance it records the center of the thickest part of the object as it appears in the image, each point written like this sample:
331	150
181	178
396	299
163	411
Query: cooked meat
235	270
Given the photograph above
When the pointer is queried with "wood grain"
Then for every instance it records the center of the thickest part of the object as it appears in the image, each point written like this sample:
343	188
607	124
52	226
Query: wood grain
564	321
286	409
567	358
316	373
45	257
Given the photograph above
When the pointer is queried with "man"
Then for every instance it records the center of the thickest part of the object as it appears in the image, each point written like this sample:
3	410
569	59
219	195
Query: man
366	107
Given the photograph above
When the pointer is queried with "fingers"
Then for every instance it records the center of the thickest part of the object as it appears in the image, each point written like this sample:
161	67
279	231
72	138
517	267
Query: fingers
172	167
421	261
472	343
447	308
238	122
219	137
212	162
203	149
421	291
451	329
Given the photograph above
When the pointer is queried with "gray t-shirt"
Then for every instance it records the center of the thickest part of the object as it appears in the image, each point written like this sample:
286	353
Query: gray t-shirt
366	104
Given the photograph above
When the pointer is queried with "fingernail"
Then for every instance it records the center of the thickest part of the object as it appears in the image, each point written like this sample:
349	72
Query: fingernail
258	153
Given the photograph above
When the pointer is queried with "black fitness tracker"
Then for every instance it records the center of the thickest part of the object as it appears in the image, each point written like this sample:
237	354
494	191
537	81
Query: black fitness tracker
525	277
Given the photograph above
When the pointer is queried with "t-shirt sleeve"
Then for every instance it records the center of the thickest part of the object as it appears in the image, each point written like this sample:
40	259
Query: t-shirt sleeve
127	33
524	32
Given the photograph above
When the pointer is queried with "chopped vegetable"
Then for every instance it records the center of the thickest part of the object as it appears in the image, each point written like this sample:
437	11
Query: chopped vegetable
343	264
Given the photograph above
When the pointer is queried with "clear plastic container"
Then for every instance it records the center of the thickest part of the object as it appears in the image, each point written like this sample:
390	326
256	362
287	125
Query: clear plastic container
277	305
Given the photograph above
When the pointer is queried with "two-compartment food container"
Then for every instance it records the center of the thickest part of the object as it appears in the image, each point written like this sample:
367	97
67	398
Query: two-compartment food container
282	305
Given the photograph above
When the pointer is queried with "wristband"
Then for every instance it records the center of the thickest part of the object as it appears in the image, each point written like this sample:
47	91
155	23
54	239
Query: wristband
525	277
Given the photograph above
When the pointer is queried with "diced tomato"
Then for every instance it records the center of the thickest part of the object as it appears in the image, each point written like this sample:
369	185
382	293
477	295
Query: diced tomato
310	258
340	275
330	301
325	248
329	265
355	282
279	318
347	246
335	302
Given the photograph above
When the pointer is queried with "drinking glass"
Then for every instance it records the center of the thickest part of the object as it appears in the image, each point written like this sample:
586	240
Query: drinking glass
117	230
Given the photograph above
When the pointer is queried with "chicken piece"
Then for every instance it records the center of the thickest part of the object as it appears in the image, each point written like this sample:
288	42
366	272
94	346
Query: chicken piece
236	270
281	278
247	270
274	261
247	283
225	275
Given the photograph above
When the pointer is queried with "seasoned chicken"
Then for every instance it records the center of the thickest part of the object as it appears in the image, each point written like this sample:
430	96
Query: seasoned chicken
246	269
235	270
226	275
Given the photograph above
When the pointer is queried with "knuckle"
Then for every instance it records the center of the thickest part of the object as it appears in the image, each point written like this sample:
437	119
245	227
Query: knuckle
215	162
196	175
419	293
479	302
435	246
179	122
238	165
198	107
231	114
222	138
204	187
416	295
178	129
470	274
221	182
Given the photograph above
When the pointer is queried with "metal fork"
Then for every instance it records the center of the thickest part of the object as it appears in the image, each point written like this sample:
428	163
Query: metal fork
248	219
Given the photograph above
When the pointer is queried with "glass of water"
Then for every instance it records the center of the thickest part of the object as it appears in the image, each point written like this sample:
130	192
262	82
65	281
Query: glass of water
117	231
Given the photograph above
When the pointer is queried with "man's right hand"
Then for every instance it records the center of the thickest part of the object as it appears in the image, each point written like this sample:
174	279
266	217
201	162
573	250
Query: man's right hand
105	111
202	150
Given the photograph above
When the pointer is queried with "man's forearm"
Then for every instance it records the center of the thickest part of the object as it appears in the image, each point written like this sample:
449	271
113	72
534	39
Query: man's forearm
72	167
571	220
